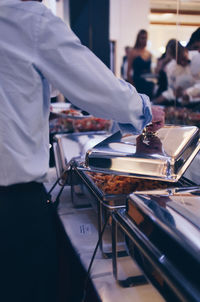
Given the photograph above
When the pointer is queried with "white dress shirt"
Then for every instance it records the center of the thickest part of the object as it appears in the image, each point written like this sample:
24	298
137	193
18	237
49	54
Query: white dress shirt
38	49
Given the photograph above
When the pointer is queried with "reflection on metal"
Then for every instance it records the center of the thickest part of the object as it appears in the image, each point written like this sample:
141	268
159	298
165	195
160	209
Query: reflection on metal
162	229
75	145
164	156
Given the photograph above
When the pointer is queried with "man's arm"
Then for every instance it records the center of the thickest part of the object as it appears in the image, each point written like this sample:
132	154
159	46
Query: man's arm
84	79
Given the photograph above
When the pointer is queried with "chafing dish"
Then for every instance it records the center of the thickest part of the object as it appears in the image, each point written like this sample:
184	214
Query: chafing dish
161	157
154	157
162	229
69	147
107	203
164	156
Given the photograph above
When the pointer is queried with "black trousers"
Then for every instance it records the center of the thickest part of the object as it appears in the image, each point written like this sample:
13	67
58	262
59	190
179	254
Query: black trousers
28	247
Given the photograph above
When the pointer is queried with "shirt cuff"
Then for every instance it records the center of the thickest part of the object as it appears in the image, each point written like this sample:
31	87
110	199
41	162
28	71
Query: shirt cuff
143	119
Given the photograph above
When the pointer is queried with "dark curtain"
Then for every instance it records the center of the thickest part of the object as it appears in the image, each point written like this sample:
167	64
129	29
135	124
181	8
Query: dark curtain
90	22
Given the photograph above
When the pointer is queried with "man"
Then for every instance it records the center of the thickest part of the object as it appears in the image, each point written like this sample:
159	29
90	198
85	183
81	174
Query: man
38	49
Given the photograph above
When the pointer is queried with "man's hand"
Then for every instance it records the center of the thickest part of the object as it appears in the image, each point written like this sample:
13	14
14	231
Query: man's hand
158	119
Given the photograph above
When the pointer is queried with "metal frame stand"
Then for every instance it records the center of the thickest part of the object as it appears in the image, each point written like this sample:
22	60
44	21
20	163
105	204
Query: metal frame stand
109	255
130	281
72	192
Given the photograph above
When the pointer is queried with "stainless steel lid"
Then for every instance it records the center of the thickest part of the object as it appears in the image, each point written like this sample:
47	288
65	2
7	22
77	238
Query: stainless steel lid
68	147
176	210
164	155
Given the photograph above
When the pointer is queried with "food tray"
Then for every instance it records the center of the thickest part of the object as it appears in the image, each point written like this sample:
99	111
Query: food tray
114	201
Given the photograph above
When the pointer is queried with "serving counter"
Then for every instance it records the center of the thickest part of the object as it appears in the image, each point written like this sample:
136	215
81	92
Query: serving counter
82	231
163	161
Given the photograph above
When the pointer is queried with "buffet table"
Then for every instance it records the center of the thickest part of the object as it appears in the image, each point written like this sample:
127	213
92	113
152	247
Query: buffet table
82	234
99	165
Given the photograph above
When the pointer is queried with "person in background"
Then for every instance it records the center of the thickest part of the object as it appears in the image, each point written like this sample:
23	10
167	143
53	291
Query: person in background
139	65
38	49
160	70
124	65
194	42
179	77
192	93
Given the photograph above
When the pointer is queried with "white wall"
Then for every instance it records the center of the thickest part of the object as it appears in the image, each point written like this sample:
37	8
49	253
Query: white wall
127	17
60	8
51	4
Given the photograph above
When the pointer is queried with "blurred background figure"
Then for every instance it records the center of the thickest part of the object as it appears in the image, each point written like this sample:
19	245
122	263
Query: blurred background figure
192	94
124	66
139	65
160	70
194	42
179	75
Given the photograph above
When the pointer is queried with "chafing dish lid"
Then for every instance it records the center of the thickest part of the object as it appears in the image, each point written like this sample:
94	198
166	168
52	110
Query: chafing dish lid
176	210
74	146
164	155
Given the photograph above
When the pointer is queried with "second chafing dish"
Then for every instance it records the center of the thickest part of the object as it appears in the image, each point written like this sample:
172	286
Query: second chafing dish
162	230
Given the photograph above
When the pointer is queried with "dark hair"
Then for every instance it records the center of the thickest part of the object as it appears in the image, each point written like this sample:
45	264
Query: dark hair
180	53
171	45
194	38
137	42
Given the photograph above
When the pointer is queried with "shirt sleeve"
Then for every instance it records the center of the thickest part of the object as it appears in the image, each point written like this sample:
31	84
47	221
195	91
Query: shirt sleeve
83	79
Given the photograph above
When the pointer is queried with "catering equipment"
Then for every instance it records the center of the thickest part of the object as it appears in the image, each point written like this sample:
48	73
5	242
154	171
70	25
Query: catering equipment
68	147
164	155
130	163
107	201
71	147
162	231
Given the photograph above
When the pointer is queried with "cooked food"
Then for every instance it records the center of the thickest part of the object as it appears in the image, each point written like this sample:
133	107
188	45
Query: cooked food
91	124
115	184
72	112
